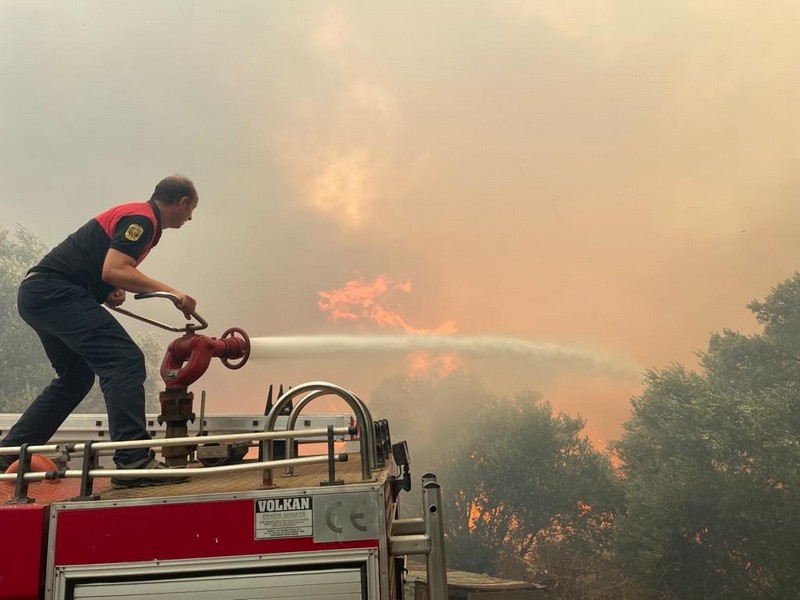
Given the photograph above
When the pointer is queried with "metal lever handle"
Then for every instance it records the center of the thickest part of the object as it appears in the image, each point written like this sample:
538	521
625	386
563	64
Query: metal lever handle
189	327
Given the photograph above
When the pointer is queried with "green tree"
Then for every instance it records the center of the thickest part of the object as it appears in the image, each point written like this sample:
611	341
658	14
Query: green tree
516	475
24	368
712	465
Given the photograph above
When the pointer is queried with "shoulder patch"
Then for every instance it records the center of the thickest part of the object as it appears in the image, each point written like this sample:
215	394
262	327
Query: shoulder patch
134	232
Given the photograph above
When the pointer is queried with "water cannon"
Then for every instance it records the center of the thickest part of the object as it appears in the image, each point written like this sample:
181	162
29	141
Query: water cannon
189	356
186	360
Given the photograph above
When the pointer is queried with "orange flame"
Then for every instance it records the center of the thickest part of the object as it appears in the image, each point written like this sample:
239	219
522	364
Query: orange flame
360	300
366	300
421	363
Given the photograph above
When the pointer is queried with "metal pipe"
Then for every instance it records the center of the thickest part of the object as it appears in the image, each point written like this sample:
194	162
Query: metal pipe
169	473
160	443
362	414
201	425
371	432
436	563
292	420
232	437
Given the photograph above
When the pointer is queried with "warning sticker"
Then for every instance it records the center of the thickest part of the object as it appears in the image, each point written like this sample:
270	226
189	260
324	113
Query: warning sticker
284	517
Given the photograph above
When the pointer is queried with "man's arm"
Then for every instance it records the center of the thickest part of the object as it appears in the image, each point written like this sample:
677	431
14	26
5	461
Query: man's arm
120	270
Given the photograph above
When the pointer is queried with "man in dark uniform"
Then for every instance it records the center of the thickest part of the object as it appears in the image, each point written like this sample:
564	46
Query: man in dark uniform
61	299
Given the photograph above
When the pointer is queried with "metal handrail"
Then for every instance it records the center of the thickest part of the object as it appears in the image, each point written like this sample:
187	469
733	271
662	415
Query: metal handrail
363	419
292	420
160	443
172	473
91	450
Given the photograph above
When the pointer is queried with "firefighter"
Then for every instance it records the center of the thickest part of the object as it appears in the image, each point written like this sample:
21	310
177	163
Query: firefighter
61	298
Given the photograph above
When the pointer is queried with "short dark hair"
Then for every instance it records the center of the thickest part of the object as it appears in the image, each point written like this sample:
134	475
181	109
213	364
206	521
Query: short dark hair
171	189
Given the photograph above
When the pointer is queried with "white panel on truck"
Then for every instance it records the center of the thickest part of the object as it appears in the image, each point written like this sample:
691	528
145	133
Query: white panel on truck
333	584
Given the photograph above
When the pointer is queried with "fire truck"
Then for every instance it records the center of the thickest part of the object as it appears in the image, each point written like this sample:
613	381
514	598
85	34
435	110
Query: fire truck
253	519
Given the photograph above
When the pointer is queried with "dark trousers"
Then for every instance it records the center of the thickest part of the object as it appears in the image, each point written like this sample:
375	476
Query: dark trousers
81	340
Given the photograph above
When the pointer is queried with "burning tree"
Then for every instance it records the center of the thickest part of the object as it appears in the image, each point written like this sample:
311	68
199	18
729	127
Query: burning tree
515	474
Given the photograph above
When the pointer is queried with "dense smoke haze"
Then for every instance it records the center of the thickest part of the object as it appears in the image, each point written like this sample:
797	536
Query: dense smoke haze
602	183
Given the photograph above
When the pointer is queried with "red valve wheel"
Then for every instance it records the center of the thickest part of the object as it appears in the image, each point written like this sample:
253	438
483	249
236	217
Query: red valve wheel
243	340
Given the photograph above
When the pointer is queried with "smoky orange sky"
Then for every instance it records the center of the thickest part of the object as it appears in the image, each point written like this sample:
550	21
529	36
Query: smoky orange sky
606	175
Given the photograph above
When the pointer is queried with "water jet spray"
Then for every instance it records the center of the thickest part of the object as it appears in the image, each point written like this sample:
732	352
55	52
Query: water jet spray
530	353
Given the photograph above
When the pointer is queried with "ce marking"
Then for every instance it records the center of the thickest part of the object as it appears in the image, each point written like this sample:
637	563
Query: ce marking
333	519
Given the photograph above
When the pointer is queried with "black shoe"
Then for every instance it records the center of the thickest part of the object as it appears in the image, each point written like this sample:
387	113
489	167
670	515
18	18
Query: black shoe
121	483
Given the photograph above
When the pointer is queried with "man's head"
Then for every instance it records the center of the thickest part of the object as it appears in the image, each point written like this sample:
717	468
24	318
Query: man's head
176	199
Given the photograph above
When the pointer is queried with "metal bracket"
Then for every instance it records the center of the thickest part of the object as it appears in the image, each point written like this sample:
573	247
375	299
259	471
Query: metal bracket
90	461
331	464
23	467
